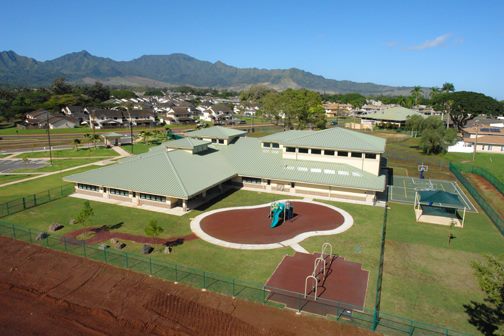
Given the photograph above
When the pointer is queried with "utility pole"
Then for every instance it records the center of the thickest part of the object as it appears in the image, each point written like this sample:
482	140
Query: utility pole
476	141
49	138
131	128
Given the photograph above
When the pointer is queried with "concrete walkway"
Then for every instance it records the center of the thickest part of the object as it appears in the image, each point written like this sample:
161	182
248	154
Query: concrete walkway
292	242
121	151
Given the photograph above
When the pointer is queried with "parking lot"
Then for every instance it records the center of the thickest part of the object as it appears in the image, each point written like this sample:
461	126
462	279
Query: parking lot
7	166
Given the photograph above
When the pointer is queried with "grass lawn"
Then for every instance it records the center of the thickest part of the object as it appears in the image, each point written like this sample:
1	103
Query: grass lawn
10	178
2	155
490	162
81	152
361	243
38	185
255	266
58	165
425	278
138	148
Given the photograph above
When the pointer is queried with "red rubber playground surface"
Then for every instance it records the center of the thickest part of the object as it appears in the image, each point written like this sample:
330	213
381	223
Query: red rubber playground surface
343	287
252	226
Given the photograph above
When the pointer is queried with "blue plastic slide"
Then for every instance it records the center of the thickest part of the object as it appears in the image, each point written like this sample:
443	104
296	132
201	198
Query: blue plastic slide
276	214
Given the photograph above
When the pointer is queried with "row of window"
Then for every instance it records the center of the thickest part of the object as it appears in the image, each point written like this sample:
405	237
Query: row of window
490	147
219	141
251	180
271	145
119	192
88	187
155	198
328	152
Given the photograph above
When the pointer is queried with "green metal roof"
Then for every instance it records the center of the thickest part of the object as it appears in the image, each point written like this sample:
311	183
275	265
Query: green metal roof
249	159
397	113
176	173
111	135
185	143
336	138
440	198
216	132
182	175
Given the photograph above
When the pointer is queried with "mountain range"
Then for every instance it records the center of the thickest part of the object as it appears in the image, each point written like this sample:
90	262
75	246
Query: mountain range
170	70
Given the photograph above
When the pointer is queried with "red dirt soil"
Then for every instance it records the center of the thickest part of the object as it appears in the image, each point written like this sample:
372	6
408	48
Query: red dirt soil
488	190
344	285
104	235
46	292
252	226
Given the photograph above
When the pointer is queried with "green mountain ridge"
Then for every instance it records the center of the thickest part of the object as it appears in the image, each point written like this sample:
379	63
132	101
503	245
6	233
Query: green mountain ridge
170	70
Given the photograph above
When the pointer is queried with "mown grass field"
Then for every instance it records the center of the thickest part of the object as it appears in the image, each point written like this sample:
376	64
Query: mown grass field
71	153
59	164
428	279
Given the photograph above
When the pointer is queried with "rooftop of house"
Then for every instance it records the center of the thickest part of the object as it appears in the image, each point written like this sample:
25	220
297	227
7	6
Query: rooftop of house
186	143
397	113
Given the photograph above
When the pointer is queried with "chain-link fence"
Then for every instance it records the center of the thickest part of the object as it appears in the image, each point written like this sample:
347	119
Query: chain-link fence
469	168
494	216
342	312
30	201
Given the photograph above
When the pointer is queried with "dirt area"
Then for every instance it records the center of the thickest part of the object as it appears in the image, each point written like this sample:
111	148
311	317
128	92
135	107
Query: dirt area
101	235
253	226
488	191
45	292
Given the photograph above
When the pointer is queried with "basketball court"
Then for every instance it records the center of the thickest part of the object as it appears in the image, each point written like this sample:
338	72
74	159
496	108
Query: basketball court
402	189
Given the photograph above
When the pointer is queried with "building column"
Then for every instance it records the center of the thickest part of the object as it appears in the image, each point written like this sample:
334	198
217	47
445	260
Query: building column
184	205
203	194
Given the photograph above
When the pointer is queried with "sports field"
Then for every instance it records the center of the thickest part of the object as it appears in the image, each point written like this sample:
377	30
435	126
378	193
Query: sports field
402	189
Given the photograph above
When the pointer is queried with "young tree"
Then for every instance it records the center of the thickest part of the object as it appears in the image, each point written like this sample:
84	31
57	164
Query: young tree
76	143
153	229
86	213
60	87
488	316
448	87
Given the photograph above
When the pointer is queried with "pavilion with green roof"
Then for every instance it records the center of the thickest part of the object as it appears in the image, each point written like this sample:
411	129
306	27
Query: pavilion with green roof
394	115
439	207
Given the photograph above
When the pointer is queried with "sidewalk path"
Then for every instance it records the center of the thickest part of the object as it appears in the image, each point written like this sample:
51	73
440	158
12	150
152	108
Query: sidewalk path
120	151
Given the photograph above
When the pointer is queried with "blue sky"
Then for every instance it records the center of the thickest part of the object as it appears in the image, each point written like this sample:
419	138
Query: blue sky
388	42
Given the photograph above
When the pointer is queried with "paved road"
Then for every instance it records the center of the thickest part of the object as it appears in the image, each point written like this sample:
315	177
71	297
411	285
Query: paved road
9	165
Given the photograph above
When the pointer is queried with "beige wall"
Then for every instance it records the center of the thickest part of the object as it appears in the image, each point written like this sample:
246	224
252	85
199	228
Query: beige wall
371	166
494	149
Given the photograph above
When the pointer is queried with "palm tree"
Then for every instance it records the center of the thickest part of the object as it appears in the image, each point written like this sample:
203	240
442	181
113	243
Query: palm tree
434	92
448	87
416	92
76	143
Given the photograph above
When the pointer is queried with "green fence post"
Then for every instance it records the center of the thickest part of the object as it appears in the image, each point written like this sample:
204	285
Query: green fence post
233	288
176	273
47	241
29	233
24	203
7	207
150	265
84	248
204	280
13	231
126	259
49	194
34	199
105	254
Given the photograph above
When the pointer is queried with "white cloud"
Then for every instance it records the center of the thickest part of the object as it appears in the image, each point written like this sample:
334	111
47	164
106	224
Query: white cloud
438	41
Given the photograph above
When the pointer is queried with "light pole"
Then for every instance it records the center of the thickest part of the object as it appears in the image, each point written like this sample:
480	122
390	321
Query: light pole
476	141
49	137
131	128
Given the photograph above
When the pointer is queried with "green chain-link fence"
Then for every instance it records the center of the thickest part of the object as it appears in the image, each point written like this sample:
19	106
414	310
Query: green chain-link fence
494	216
384	323
30	201
469	168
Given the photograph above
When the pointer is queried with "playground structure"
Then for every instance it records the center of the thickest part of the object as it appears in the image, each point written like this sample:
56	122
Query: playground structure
278	210
331	286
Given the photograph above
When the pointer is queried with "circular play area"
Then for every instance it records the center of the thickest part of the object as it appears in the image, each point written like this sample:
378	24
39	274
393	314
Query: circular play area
272	225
